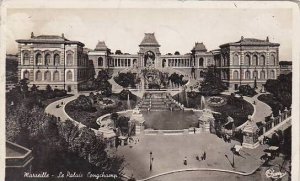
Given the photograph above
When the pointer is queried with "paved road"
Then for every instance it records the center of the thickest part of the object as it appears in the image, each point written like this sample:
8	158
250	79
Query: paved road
59	112
262	109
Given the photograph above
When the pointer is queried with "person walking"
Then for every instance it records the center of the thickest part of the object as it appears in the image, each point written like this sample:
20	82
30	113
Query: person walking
185	161
204	155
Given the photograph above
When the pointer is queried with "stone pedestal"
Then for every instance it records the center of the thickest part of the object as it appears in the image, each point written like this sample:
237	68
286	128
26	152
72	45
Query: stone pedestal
137	120
206	117
250	136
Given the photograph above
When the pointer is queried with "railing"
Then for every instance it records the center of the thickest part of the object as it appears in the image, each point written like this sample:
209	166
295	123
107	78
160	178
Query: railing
151	131
274	121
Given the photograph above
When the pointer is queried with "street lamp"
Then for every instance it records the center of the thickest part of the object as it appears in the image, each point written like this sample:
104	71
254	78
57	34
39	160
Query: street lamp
151	160
233	159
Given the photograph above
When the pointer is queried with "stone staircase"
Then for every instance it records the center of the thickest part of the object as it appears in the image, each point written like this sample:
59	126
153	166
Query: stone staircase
158	102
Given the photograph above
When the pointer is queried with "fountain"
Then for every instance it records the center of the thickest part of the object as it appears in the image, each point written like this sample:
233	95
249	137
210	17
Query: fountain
186	98
202	103
128	101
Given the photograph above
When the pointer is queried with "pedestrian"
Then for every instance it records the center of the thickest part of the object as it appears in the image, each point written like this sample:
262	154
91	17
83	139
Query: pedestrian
194	130
204	155
185	161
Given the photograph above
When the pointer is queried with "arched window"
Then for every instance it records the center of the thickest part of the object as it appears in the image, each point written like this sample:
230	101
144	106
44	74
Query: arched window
262	74
38	76
38	59
56	76
272	60
201	62
100	61
247	74
247	60
56	59
25	59
47	59
26	74
47	76
272	74
69	76
255	74
70	59
235	60
254	60
262	60
236	74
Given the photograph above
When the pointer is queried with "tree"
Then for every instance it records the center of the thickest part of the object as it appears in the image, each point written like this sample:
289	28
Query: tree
114	116
212	84
68	131
122	123
48	88
118	52
177	53
247	90
24	86
83	103
126	79
102	84
34	88
281	88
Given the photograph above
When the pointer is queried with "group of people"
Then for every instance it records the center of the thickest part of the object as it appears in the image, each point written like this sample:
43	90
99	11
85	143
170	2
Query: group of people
203	157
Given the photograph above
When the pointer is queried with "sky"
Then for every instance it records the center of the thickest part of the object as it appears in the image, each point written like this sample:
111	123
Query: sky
175	29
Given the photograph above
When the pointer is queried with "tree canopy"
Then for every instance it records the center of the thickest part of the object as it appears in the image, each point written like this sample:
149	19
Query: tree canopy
212	84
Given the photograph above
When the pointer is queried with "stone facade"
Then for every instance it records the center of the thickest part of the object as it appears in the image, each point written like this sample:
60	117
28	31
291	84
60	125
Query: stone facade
242	62
64	64
52	60
149	55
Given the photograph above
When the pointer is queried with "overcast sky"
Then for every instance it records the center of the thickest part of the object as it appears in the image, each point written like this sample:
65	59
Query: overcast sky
175	29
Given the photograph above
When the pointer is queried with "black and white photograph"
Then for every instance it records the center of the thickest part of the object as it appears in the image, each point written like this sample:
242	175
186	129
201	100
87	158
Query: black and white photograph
150	91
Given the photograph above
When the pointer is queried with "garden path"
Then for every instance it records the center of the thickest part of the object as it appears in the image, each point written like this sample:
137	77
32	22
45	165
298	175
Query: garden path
60	112
261	109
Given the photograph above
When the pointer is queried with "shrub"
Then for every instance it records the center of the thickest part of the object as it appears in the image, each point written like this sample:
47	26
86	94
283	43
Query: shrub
126	79
123	95
83	103
247	90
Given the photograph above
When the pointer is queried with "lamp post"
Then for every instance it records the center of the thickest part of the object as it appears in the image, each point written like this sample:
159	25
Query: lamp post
151	160
233	159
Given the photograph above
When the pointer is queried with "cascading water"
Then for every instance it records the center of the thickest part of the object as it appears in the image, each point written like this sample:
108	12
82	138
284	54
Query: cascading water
202	103
128	102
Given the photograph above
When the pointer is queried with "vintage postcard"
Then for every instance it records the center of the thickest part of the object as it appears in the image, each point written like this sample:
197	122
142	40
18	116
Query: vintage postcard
156	91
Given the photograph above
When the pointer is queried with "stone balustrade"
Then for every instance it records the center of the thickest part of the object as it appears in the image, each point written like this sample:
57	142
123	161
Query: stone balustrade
274	121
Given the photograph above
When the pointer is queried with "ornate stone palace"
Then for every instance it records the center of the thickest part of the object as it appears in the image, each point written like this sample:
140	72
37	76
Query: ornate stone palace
64	64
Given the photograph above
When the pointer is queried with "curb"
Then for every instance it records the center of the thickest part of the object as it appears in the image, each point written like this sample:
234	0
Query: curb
197	169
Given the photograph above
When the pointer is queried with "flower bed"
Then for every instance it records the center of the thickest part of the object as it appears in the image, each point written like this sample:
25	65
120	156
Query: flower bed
216	101
106	102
